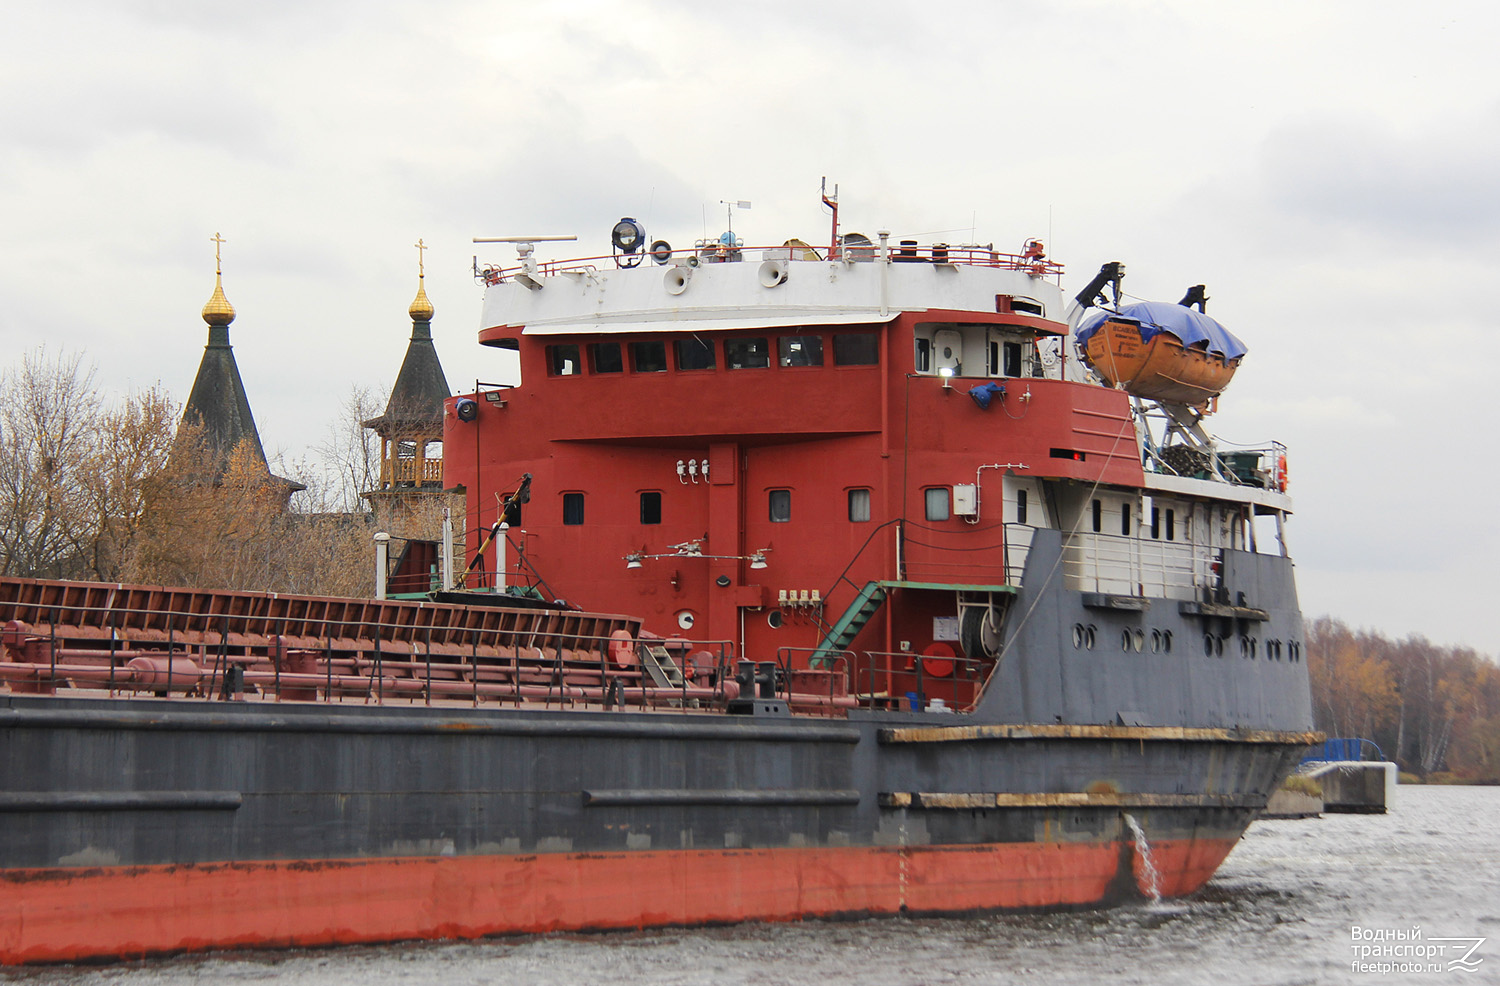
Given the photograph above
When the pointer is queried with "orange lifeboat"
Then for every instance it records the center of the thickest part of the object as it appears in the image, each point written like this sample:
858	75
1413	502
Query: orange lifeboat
1161	352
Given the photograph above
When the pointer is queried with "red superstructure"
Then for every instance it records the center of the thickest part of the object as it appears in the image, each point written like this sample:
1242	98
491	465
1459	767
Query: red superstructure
737	444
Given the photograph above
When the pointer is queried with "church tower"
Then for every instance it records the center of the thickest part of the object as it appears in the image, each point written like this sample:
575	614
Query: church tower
218	402
411	429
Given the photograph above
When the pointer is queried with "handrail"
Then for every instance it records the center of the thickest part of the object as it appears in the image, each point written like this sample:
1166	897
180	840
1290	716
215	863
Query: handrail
964	255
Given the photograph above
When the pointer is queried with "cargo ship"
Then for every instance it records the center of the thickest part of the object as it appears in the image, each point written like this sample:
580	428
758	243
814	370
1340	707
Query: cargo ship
923	615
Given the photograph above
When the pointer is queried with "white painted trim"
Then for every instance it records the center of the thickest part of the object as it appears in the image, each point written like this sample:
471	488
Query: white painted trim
1214	490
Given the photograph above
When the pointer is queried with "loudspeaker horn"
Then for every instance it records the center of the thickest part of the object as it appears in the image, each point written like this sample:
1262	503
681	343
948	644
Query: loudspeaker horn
677	279
772	273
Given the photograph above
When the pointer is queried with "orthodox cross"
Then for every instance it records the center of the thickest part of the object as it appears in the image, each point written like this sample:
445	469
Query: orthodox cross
421	248
218	263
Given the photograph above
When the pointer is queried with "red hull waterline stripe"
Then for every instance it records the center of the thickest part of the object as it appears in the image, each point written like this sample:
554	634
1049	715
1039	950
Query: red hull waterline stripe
62	915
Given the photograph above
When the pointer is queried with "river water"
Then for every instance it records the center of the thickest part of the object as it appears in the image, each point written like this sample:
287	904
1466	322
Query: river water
1282	910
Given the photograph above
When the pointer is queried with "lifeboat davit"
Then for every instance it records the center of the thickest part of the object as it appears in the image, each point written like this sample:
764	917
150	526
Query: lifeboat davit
1161	351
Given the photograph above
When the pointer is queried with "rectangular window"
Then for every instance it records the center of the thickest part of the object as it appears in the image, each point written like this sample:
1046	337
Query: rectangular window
651	507
572	509
1098	516
604	357
648	357
1020	506
936	500
695	354
1012	359
800	350
856	349
859	506
1156	523
1125	519
747	354
562	361
924	356
992	359
781	506
1171	525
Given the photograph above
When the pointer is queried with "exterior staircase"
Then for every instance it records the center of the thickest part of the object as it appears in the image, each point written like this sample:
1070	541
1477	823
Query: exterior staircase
663	671
865	604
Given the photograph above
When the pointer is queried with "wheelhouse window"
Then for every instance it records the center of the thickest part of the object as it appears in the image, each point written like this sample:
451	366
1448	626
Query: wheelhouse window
937	502
1020	506
1125	519
859	506
604	357
651	507
563	361
1098	516
781	506
1171	525
747	354
648	357
800	350
856	349
572	509
695	354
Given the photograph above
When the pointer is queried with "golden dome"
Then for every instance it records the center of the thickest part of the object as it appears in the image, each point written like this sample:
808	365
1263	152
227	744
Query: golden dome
421	308
218	311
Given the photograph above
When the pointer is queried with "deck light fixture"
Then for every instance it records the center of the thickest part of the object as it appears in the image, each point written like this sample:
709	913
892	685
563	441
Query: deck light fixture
694	549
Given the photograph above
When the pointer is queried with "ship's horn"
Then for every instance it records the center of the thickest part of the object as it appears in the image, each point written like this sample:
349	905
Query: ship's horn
677	279
772	273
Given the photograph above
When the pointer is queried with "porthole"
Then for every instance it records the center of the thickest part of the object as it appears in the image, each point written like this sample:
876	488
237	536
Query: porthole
1208	645
1166	641
1125	640
1138	639
1155	641
1218	647
774	619
1088	636
1078	636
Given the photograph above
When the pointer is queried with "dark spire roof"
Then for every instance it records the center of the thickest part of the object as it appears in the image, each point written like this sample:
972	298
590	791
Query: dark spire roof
416	403
218	401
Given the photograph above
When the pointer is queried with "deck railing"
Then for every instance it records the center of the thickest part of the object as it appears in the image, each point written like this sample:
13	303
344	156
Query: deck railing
963	255
1133	566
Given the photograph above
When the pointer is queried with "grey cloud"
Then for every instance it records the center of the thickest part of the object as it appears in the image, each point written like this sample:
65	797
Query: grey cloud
1423	190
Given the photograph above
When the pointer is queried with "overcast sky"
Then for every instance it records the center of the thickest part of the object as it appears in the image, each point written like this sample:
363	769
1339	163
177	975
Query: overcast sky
1328	169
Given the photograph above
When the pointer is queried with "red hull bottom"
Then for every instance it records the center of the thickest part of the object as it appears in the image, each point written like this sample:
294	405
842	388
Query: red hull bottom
61	915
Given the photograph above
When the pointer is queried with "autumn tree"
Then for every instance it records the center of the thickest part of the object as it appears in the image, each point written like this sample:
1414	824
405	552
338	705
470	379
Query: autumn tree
1432	709
224	522
72	470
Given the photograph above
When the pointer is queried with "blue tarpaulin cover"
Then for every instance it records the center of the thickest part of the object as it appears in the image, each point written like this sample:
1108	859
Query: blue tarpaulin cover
1187	324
